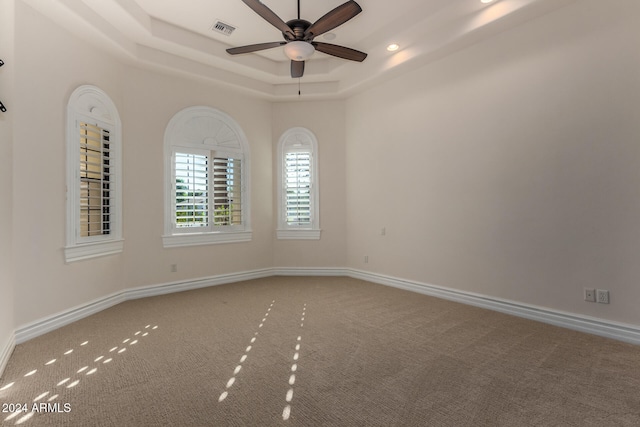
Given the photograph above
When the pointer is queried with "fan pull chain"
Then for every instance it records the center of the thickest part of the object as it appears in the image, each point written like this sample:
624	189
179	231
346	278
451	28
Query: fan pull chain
299	86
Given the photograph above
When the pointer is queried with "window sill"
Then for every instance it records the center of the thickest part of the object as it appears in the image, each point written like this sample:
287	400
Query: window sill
198	239
293	234
84	251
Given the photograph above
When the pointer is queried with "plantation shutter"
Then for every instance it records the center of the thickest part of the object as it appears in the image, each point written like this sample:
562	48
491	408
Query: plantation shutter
298	188
96	194
227	191
192	190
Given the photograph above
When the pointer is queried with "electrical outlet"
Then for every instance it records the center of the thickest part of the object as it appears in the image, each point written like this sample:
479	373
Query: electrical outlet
590	295
174	268
603	296
366	259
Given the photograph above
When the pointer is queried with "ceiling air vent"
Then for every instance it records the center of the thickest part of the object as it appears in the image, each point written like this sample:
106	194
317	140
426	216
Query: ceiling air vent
223	28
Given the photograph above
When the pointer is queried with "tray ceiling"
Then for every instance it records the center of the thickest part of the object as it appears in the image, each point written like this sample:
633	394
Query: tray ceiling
179	36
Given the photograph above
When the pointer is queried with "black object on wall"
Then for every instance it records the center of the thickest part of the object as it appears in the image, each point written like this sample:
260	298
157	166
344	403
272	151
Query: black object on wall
2	107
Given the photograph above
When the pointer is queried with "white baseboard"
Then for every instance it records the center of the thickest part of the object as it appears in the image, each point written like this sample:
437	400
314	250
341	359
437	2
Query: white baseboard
5	352
618	331
604	328
311	271
56	321
187	285
71	315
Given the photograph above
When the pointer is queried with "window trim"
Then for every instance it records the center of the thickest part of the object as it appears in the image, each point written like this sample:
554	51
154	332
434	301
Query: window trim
90	104
286	231
206	128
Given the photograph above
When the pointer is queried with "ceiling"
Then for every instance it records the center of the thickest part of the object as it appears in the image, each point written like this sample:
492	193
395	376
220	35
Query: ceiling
178	36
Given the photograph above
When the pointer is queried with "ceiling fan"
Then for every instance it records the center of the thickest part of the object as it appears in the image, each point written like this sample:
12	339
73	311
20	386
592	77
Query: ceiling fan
299	34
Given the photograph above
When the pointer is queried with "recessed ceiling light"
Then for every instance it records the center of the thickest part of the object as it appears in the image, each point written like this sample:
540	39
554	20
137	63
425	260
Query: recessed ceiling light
486	1
329	36
393	47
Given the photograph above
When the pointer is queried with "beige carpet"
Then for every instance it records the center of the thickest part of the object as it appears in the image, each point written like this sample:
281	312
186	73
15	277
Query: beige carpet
318	352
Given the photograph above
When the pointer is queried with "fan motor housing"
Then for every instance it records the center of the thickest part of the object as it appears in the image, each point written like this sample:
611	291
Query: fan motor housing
299	26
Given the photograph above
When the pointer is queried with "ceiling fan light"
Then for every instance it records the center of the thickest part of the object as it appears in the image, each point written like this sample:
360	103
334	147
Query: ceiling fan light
299	50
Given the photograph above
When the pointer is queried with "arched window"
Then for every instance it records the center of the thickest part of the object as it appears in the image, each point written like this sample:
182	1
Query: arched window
94	184
298	210
206	179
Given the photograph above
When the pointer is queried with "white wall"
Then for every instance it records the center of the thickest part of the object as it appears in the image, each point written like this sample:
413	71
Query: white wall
326	119
510	169
6	180
151	100
48	69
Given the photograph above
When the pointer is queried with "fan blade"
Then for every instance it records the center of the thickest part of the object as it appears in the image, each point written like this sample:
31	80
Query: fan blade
253	47
340	51
270	16
333	19
297	68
